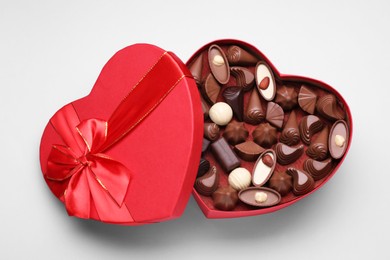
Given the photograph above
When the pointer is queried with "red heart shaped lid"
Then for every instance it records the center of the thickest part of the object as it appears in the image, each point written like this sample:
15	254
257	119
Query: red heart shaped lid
128	152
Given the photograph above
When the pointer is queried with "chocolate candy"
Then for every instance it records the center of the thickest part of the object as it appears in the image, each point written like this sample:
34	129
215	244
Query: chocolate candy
205	108
225	155
235	99
328	108
210	89
219	65
317	169
286	97
307	99
196	69
259	196
338	139
205	145
240	178
235	133
274	115
290	134
265	81
211	131
248	151
287	154
281	182
225	198
318	149
264	167
207	183
265	135
204	167
238	56
254	112
302	181
244	77
221	113
308	127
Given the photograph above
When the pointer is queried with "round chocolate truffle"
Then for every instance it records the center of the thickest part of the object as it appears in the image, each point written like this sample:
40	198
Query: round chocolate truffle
281	182
225	198
265	135
286	97
235	133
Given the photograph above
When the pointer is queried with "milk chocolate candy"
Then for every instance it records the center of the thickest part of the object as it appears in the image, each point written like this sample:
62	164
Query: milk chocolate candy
265	81
235	133
307	99
208	183
238	56
328	108
317	169
265	135
287	154
318	149
204	167
308	127
196	69
302	181
211	131
205	108
205	145
281	182
290	134
263	168
274	115
219	65
244	77
248	151
254	113
286	97
235	98
225	198
210	89
259	196
225	155
338	139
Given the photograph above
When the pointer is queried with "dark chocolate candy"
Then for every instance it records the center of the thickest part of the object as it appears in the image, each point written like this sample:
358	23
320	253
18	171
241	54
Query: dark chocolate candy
317	169
265	81
244	77
204	166
263	168
225	198
302	181
248	151
281	182
211	131
308	127
287	154
219	65
307	99
328	108
205	145
274	115
235	132
318	149
235	98
208	183
225	155
259	196
205	108
254	113
210	89
338	139
265	135
286	97
290	134
196	69
238	56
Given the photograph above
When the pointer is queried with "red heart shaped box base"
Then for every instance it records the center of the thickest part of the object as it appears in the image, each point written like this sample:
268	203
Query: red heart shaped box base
321	88
162	152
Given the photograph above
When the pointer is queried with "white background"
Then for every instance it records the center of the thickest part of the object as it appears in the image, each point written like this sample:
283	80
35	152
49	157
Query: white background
52	51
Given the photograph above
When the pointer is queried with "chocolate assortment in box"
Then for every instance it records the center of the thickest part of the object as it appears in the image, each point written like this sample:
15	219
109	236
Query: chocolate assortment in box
269	139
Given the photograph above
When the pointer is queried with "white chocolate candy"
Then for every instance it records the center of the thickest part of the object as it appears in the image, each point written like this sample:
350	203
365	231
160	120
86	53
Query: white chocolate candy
221	113
261	197
240	178
218	60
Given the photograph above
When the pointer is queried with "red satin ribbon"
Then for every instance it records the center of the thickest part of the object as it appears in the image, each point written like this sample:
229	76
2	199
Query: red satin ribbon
94	179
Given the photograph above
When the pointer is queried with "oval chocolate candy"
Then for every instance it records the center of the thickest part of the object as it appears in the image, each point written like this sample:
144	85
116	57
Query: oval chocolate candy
264	167
338	139
219	65
259	196
265	81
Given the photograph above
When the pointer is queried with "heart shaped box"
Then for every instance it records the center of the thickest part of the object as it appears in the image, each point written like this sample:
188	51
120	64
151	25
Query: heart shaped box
156	161
241	210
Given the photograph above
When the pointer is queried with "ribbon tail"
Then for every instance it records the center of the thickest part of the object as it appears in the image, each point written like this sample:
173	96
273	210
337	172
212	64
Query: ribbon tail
77	196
